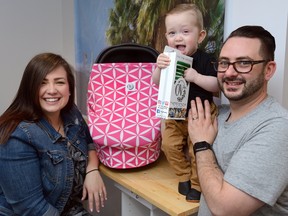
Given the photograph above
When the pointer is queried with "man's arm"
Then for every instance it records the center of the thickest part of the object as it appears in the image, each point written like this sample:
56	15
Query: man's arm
221	197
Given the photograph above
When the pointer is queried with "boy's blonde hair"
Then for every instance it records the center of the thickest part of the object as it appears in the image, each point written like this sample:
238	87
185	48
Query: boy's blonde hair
189	7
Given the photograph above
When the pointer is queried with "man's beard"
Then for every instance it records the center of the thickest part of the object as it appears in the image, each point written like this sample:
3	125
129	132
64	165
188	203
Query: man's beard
249	89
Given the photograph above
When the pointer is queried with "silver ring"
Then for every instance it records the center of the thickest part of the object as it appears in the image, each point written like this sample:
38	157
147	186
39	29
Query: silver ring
100	194
194	118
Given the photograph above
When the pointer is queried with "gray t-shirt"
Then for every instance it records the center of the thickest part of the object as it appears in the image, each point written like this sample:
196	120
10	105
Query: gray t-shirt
253	154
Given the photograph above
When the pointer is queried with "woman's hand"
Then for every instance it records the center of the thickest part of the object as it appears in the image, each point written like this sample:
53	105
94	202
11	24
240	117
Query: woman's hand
95	189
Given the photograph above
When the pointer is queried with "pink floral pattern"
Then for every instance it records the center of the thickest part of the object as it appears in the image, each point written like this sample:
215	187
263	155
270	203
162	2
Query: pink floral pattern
121	114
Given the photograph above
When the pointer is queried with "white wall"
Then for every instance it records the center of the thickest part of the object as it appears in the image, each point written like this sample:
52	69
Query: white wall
273	16
28	28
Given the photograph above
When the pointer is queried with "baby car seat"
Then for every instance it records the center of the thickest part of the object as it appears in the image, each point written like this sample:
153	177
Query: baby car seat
122	103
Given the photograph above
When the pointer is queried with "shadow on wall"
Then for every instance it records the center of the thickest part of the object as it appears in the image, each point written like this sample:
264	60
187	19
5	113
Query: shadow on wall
82	79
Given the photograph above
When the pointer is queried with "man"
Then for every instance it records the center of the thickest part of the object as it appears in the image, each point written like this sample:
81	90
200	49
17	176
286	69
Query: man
245	171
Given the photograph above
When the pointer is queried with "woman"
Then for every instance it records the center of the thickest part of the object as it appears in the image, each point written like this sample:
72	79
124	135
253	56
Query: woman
48	160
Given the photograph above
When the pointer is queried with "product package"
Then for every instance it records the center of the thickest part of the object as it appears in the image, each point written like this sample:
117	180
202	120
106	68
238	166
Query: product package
173	88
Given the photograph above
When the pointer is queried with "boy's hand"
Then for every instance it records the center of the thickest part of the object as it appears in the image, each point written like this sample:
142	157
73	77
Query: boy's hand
163	61
190	75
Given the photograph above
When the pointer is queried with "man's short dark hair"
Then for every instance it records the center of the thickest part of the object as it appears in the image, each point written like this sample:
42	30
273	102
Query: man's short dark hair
268	44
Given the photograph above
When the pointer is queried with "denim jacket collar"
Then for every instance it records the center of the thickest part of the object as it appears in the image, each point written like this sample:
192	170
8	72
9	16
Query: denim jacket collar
68	120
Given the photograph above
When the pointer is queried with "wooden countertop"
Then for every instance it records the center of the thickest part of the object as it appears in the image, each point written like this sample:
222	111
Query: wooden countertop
156	183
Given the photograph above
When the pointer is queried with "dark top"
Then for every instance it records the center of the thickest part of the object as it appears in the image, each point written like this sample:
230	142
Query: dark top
202	64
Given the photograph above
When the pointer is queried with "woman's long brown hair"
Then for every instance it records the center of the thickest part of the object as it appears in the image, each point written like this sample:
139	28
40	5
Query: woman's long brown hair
26	105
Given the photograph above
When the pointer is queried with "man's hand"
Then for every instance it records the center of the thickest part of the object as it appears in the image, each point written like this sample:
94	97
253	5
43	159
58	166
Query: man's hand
200	125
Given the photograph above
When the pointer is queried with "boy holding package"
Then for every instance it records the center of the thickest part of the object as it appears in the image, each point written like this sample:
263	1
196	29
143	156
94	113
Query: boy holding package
184	31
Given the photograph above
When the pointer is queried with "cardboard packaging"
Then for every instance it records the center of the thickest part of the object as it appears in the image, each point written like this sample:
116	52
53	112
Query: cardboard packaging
173	88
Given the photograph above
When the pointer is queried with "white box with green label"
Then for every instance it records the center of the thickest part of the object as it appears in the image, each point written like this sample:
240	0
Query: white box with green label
173	88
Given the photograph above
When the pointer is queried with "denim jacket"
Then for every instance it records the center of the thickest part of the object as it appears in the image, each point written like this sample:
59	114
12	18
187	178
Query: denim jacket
36	170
